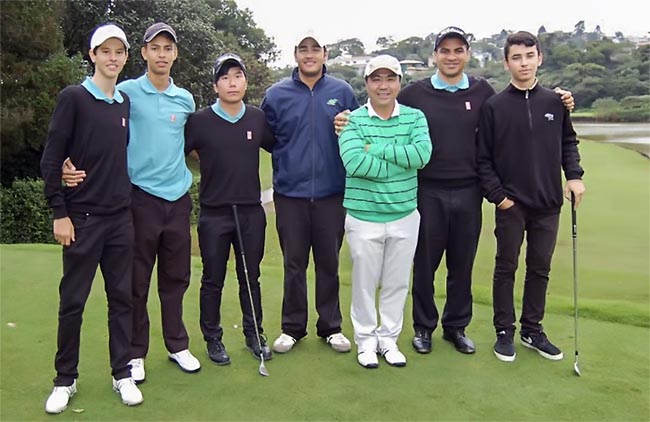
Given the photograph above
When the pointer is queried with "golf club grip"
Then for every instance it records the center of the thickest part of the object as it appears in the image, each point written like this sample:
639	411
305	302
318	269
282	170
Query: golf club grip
574	226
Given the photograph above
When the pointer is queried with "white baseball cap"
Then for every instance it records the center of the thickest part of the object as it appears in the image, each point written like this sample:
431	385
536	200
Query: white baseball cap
105	32
309	34
383	61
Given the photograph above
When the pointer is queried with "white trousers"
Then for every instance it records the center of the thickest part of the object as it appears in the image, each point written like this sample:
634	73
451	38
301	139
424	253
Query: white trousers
382	257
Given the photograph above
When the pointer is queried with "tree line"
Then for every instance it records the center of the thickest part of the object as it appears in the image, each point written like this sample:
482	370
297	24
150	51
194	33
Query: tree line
44	46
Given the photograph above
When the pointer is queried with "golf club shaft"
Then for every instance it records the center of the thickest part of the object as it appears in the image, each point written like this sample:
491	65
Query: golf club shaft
574	233
248	283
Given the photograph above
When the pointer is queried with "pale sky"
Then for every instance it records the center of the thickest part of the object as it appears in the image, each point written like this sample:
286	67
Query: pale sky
335	20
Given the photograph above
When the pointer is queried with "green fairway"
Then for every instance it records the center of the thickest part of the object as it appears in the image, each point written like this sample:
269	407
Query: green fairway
314	383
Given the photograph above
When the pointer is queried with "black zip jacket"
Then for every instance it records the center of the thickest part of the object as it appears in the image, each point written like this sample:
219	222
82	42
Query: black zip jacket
525	140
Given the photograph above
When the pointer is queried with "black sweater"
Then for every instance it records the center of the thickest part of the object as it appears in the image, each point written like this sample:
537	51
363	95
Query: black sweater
525	139
228	155
94	134
452	118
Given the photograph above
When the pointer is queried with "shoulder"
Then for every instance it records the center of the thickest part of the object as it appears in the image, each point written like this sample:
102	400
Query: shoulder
128	86
335	82
410	111
255	112
481	84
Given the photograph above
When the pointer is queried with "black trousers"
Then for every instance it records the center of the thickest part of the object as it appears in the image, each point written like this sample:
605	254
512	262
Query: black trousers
306	225
217	232
451	224
541	234
106	241
162	231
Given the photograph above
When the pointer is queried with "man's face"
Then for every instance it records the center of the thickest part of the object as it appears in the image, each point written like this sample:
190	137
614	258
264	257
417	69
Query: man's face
310	57
160	54
451	57
231	86
382	86
522	63
109	58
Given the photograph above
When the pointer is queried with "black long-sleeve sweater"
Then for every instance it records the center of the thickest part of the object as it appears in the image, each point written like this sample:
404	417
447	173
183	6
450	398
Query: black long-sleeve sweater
94	134
228	155
453	119
526	139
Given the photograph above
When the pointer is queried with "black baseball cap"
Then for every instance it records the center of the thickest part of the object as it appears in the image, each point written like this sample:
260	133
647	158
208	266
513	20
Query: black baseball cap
156	29
222	60
450	32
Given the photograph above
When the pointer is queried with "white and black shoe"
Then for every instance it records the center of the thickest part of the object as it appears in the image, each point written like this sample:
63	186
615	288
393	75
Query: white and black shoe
504	348
537	340
368	359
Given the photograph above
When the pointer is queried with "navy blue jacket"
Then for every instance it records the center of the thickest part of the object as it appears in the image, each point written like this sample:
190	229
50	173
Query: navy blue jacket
306	160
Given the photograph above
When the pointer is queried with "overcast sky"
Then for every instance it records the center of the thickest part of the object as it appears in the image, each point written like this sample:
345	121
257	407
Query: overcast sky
368	20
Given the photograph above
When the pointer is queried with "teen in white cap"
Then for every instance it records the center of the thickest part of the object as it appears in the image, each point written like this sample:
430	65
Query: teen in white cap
161	203
382	149
93	224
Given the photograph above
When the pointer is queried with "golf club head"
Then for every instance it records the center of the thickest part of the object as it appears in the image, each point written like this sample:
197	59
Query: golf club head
263	372
576	369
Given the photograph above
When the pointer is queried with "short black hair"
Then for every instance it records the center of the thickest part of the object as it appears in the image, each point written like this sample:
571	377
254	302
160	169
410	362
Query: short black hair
521	38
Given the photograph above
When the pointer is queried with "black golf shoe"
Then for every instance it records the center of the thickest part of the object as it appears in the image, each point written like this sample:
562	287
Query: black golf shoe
504	348
254	347
537	340
217	352
422	341
461	342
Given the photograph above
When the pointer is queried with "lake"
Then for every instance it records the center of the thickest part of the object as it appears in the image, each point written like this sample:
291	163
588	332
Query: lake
635	136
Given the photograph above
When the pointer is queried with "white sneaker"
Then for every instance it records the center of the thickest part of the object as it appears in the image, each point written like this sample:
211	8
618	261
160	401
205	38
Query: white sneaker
368	359
284	343
393	357
58	400
128	391
185	360
339	342
137	370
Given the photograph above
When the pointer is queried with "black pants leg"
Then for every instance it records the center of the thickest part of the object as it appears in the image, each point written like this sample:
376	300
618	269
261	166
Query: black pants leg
432	240
216	234
541	236
328	227
174	257
509	232
293	223
464	230
116	265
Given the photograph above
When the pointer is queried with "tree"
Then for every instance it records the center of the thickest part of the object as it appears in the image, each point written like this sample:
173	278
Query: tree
34	69
384	42
206	29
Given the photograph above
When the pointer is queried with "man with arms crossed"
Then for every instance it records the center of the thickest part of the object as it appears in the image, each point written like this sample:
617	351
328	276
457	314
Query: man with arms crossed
382	149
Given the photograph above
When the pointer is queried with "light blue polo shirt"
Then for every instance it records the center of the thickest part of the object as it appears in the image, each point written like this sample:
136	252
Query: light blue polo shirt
156	157
440	84
96	92
219	111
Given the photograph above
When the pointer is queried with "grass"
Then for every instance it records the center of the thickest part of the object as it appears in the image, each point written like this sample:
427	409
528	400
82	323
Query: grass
314	383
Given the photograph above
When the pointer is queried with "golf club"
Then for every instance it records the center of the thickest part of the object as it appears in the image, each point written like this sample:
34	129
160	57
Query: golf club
262	369
574	232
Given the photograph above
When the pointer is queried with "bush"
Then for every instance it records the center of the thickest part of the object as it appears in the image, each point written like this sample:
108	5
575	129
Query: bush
25	218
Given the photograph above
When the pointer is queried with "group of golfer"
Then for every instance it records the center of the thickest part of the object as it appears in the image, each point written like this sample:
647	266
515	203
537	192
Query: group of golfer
402	178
